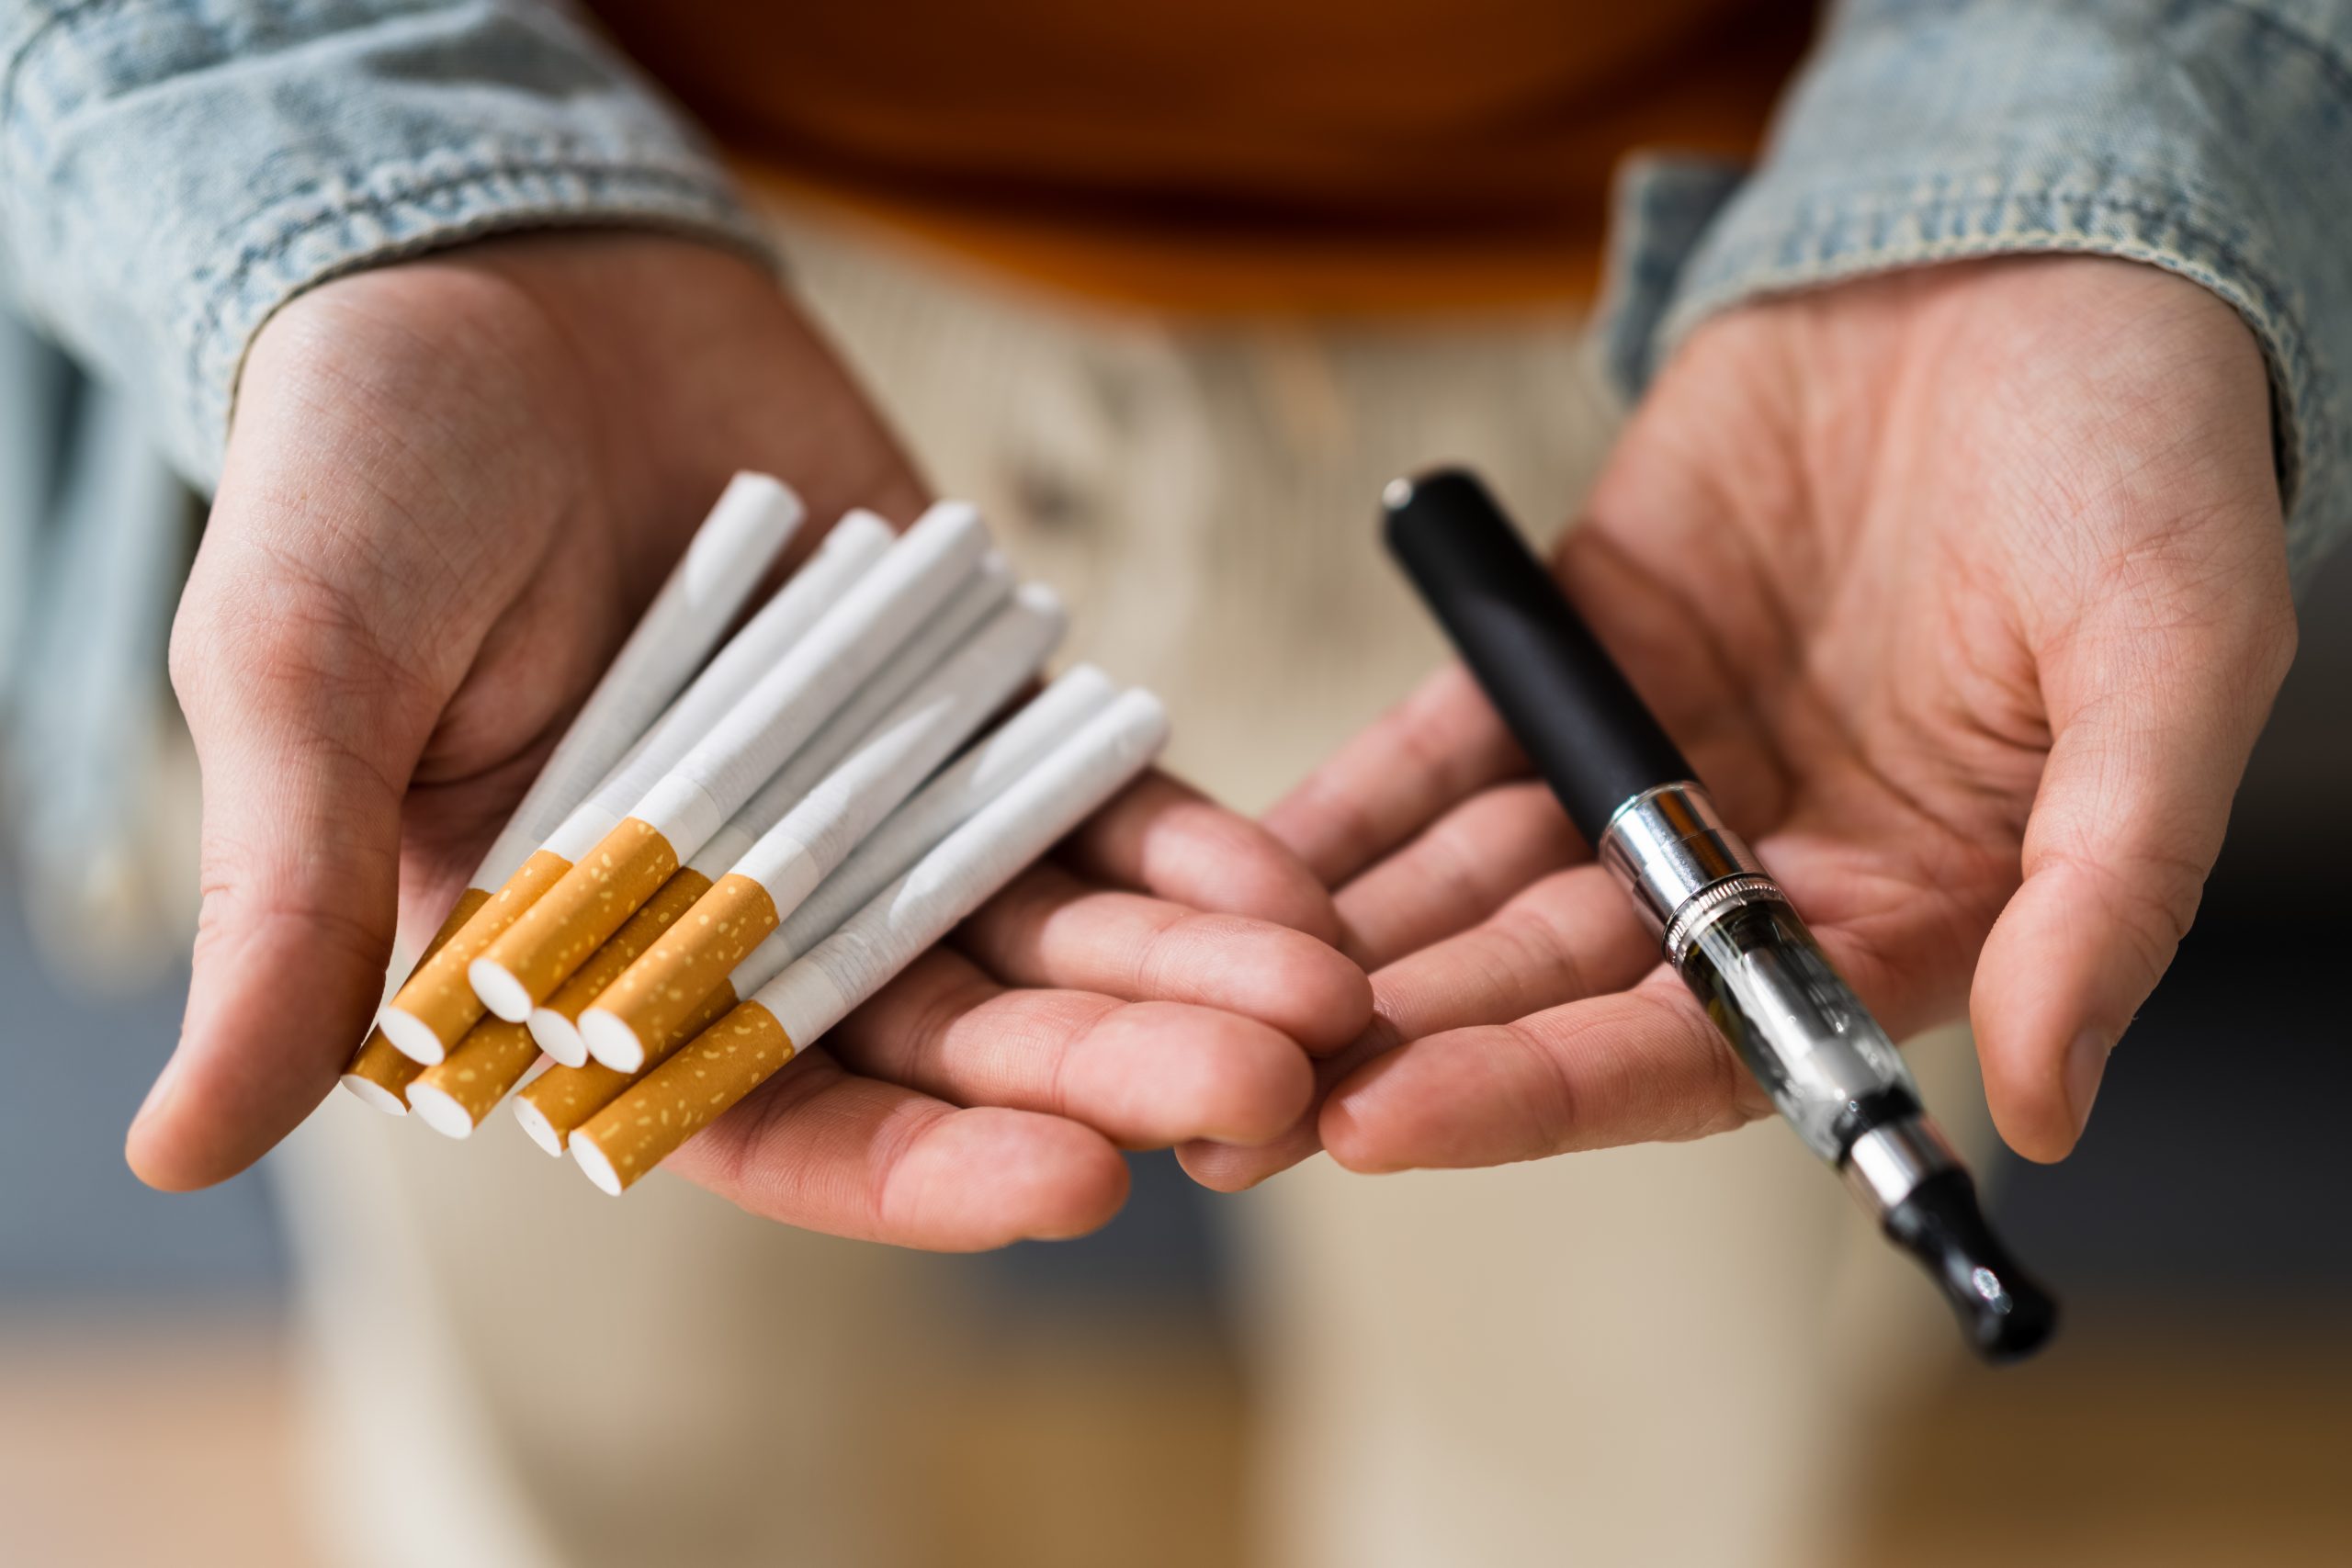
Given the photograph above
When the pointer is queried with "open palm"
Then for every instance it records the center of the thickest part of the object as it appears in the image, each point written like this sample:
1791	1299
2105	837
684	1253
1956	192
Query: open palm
451	485
1964	590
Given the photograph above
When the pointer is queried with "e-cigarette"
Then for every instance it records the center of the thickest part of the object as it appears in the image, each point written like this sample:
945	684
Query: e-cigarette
1726	927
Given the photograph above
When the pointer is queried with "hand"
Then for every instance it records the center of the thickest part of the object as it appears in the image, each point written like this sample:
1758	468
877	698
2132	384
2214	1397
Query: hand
1965	591
450	486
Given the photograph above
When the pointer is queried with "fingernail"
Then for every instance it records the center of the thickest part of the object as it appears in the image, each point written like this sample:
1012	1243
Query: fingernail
2086	1065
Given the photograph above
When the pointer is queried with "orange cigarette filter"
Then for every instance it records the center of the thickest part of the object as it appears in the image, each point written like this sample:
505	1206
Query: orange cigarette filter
552	1021
699	1083
559	932
380	1072
560	1099
662	989
455	1094
433	1011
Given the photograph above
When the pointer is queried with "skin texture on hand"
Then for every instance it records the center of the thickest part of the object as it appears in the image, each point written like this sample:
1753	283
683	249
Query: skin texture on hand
1965	591
451	485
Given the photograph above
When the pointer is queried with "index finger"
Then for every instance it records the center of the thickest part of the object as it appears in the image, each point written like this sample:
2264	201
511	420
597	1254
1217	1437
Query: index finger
1432	750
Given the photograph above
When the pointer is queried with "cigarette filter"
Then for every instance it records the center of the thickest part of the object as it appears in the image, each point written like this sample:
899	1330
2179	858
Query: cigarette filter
382	1071
776	874
553	1022
524	964
735	544
560	1100
715	1069
435	1007
455	1094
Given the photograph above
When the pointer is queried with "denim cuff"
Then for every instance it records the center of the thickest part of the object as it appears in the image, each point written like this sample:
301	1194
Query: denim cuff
404	209
172	174
2208	139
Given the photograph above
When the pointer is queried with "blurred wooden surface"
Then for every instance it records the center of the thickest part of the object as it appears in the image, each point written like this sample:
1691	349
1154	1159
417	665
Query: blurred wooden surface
126	1442
2220	1441
2213	1444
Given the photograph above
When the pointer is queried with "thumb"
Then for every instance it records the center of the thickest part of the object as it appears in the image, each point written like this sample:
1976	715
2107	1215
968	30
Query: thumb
2152	724
306	732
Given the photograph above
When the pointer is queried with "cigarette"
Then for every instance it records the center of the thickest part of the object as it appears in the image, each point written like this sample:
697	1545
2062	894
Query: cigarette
756	516
435	1007
678	815
454	1095
713	1071
552	1023
943	805
380	1072
972	604
778	873
438	1004
560	1100
856	543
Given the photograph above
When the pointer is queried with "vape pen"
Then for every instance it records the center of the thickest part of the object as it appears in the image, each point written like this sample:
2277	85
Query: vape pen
1725	925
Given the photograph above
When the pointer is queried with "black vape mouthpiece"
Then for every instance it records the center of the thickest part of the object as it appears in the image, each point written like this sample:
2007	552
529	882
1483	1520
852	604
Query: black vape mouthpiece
2005	1313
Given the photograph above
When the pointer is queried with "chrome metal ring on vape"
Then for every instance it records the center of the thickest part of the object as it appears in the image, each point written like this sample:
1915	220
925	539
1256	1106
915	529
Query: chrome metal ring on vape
1887	1164
1667	844
1703	908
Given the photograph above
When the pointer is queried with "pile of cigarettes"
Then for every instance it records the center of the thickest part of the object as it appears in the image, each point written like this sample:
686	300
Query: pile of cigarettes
729	852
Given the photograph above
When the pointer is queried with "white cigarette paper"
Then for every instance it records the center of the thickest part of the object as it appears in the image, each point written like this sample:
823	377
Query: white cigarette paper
972	604
881	612
756	516
858	541
815	837
969	867
945	804
882	938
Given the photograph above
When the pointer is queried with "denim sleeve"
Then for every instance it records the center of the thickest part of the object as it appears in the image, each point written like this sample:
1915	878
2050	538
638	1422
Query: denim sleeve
2211	138
172	171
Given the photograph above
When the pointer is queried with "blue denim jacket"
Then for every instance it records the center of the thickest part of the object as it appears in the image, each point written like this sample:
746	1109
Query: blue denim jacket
174	170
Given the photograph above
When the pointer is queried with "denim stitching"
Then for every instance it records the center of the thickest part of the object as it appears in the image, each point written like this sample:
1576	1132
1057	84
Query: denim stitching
2330	62
255	252
52	25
